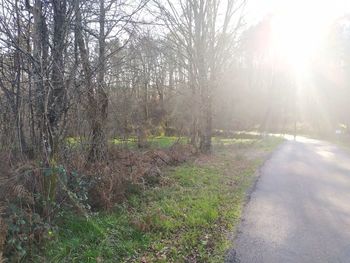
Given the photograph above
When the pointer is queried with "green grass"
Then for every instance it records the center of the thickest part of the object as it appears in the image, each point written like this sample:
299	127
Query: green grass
153	141
108	237
268	143
186	218
131	143
232	141
74	141
167	141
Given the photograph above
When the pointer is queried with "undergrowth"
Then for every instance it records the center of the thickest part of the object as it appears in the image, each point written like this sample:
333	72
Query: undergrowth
186	217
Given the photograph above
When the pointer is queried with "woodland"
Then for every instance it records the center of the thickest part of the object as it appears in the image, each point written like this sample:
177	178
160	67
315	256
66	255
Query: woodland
99	99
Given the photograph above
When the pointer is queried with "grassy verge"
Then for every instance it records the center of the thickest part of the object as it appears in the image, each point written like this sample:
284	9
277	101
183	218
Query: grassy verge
186	218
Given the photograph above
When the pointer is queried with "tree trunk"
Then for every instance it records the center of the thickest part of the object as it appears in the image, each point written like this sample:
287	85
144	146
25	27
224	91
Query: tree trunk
97	106
206	127
98	147
57	97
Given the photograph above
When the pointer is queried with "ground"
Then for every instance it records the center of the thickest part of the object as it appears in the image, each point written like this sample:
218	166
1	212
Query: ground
187	217
300	209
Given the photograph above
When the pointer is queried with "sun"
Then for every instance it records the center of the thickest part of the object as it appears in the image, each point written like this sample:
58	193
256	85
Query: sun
297	34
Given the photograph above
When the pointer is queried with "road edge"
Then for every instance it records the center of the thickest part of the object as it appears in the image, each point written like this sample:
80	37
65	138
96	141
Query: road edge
231	255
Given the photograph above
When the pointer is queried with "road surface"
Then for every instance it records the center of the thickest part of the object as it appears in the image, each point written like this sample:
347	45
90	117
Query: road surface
299	211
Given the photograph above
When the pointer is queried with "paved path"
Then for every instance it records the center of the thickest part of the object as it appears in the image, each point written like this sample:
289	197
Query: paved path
300	209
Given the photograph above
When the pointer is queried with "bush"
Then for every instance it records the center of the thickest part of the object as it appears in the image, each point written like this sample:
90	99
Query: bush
26	231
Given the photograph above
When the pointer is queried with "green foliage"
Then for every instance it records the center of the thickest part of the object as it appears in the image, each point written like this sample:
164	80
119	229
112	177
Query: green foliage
26	231
29	215
72	141
78	187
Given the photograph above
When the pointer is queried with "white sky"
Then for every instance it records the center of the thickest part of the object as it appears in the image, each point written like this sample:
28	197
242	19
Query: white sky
329	9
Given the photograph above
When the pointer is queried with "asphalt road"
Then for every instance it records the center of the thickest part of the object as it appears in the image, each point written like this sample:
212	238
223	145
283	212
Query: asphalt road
300	209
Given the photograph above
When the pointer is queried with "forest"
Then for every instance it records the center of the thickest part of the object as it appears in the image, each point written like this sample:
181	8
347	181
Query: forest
105	106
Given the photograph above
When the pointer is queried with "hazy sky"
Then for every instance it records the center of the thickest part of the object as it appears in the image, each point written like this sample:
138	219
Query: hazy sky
329	9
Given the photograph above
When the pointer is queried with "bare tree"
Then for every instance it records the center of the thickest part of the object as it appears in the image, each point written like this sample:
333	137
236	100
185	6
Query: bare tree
205	40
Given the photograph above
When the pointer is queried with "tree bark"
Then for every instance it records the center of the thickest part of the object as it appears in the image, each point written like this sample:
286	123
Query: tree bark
97	107
57	96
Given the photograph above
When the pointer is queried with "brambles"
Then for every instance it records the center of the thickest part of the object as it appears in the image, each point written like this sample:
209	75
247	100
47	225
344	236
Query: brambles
81	189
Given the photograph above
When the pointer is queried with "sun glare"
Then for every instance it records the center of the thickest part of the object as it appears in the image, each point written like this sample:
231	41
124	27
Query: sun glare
297	33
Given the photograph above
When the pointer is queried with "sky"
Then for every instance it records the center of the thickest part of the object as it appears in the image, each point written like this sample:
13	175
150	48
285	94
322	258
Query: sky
299	27
329	9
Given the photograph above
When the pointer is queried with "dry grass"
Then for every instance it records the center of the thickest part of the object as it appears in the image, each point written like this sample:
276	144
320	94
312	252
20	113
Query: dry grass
127	168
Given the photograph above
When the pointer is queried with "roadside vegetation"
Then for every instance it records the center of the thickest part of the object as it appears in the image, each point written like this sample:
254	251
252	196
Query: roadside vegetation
187	214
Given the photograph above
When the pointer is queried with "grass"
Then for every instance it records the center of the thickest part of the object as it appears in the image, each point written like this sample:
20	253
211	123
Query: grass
167	141
107	237
231	141
188	217
342	141
153	141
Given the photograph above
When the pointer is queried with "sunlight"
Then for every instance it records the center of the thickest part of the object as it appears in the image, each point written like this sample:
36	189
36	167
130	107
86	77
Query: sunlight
297	33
